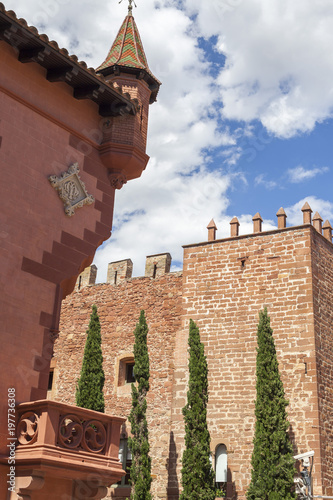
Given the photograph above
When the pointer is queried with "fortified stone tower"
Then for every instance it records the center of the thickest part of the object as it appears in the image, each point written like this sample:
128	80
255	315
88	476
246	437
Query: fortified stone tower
224	285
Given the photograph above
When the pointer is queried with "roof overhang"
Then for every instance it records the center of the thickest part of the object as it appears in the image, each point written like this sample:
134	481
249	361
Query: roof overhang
61	67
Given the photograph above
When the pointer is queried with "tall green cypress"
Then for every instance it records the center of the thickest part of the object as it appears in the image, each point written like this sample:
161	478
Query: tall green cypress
89	390
140	473
273	467
198	478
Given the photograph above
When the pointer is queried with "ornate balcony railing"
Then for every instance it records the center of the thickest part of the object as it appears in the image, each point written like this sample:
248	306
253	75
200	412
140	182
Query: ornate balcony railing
63	441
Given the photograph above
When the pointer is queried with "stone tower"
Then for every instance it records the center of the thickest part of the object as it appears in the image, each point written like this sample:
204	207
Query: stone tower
223	286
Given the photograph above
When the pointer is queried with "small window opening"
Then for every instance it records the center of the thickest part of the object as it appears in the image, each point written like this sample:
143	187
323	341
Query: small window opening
115	277
130	377
243	263
80	281
125	458
50	383
221	468
141	118
305	367
155	270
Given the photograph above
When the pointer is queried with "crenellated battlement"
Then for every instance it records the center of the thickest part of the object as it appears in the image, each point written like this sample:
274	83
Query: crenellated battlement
121	270
159	264
317	222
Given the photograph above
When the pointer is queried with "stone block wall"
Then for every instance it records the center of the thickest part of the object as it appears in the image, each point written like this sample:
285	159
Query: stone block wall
157	265
119	309
226	284
322	268
87	277
119	271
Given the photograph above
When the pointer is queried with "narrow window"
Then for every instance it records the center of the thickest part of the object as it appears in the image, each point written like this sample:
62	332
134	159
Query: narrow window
126	371
50	384
141	118
125	458
155	270
115	277
129	378
221	467
80	280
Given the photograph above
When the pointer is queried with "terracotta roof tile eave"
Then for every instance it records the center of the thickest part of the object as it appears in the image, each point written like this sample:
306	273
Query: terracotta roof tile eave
10	25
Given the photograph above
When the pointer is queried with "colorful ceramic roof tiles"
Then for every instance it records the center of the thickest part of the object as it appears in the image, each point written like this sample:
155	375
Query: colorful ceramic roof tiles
127	49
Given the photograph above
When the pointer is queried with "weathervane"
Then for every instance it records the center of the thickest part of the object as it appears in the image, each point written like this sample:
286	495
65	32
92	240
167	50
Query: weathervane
130	2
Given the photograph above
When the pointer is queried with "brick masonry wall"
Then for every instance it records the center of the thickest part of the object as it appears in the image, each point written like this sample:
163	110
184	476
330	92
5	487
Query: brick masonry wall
119	308
226	284
322	256
134	127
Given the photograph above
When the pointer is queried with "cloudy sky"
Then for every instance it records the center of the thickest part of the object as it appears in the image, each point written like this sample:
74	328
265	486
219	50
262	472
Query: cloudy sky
243	122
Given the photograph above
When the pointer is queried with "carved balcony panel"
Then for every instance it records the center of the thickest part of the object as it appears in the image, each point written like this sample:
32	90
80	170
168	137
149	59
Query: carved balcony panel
68	442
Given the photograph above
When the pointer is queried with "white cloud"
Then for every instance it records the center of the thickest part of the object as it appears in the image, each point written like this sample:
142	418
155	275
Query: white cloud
165	213
300	174
279	69
177	195
261	180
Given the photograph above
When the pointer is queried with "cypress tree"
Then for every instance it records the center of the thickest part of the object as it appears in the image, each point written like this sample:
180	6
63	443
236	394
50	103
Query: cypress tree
89	390
140	473
198	478
272	462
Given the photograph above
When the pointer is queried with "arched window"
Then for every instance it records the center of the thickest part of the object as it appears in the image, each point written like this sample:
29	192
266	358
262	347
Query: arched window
221	466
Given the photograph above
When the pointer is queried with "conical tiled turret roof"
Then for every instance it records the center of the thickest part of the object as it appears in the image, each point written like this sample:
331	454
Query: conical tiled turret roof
128	55
127	49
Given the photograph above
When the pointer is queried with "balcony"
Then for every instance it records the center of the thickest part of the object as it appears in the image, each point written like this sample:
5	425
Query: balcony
65	452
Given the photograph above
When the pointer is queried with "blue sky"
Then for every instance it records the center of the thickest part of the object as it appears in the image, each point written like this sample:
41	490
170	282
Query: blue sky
243	122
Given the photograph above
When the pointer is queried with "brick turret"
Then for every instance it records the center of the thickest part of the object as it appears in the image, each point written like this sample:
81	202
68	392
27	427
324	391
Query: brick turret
126	68
282	218
317	222
234	227
327	229
257	223
306	209
212	230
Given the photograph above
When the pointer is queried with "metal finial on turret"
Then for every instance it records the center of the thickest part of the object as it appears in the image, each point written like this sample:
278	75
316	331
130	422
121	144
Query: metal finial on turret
130	2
